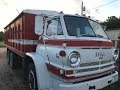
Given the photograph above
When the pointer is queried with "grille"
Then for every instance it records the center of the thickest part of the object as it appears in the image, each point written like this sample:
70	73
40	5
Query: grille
86	70
105	62
106	66
89	64
86	67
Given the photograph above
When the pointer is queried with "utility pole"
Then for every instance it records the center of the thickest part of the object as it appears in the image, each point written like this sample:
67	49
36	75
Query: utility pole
17	11
82	8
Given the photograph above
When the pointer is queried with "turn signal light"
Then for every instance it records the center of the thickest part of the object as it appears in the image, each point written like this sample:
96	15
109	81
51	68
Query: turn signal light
62	53
68	72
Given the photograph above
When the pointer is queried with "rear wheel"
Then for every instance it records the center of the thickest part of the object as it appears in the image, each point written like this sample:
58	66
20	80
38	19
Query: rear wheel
32	79
8	56
12	61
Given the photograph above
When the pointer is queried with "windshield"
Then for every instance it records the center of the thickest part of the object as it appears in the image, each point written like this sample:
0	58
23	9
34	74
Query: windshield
80	26
97	29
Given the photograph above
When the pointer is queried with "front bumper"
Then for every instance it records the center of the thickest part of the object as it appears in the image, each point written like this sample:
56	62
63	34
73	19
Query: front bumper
92	84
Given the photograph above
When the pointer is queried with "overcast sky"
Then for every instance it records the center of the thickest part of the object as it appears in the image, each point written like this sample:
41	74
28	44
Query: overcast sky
97	9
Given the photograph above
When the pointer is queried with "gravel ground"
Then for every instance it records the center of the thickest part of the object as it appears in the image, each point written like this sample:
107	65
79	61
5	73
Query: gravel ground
10	79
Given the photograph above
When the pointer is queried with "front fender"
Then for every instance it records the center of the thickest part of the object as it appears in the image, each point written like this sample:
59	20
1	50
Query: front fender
43	78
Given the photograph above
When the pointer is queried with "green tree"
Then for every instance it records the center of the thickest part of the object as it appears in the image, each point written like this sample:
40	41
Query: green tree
112	22
1	36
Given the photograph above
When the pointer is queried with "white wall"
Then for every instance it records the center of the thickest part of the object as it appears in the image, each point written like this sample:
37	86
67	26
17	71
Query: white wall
113	35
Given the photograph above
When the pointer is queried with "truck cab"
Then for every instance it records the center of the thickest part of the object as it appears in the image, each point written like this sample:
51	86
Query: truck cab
78	53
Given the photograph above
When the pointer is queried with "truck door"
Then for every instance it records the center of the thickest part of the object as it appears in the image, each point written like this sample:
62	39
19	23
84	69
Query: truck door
54	29
54	38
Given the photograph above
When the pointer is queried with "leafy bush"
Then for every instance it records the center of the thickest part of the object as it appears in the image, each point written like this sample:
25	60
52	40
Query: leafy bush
1	36
112	22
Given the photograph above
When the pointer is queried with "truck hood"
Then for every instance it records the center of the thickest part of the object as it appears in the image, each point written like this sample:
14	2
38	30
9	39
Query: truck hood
91	50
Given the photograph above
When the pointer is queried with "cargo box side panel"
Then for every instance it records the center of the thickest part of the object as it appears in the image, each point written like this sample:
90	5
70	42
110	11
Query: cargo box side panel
14	35
18	33
30	38
7	36
20	36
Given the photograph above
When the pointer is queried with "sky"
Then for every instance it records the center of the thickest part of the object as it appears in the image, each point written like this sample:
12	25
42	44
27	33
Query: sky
97	9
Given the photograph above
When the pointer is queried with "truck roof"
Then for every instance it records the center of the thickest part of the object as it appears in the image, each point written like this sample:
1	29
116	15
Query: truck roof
37	12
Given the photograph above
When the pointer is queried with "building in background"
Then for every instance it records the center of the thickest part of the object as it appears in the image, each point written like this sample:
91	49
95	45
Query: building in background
113	35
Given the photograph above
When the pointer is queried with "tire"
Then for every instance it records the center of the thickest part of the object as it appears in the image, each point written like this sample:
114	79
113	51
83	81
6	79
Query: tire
8	57
12	61
32	79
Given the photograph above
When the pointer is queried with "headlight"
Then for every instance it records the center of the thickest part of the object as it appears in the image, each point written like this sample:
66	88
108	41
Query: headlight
115	54
74	59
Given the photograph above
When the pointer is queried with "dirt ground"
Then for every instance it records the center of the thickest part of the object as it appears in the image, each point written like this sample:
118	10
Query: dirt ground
10	79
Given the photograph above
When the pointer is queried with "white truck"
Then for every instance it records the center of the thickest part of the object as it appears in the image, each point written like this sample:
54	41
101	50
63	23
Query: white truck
60	51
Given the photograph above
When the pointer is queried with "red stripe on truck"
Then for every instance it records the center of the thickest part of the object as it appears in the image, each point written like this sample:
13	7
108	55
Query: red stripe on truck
78	42
56	70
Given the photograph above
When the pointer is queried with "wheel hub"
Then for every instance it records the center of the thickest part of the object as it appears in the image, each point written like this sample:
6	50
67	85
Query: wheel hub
32	80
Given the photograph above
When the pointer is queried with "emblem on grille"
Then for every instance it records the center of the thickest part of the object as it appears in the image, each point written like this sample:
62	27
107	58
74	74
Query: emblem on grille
100	55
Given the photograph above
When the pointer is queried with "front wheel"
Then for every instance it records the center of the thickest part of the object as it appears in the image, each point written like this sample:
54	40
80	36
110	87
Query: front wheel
32	79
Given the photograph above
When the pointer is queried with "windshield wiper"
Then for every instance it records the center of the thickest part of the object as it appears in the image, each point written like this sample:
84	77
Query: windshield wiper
100	36
86	35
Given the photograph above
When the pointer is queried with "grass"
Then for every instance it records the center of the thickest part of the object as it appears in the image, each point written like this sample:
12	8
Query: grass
1	44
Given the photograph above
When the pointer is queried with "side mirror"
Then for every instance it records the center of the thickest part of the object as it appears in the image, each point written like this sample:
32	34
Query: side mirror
38	25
